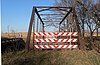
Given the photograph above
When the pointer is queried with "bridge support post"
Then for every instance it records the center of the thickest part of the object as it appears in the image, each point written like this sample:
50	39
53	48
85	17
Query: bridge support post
27	46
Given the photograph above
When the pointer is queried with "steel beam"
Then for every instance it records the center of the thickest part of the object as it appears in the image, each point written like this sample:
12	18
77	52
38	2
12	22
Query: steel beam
50	14
66	16
44	9
39	16
63	10
59	27
34	10
47	19
50	7
51	21
27	46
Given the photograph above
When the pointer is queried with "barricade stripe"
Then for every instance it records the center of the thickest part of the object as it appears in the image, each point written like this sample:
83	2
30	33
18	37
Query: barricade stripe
62	46
42	34
56	33
49	46
49	40
75	40
67	46
55	46
72	40
69	40
70	46
75	46
52	46
55	40
45	46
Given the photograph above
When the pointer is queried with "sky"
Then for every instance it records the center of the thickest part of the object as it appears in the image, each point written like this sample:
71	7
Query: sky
16	14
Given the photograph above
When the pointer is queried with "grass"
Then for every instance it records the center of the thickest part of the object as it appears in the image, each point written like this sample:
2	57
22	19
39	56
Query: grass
51	57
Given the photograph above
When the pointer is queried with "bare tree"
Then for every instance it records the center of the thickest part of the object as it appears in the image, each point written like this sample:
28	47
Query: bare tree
72	3
84	14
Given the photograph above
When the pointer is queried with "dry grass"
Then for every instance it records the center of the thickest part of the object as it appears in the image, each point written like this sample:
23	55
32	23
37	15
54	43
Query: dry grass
16	35
13	35
52	57
24	34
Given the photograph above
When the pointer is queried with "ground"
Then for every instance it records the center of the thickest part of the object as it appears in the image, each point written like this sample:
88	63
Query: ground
51	57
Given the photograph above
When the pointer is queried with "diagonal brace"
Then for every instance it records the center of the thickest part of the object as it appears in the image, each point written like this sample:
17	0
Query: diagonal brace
66	16
39	16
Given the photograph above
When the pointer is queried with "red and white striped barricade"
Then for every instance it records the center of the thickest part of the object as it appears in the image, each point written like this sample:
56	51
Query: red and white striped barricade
54	40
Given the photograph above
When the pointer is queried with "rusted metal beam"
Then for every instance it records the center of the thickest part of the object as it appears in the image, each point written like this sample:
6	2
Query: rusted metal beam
63	10
27	46
66	15
34	10
39	16
50	14
52	17
51	21
50	7
37	25
44	9
42	27
54	9
73	23
59	27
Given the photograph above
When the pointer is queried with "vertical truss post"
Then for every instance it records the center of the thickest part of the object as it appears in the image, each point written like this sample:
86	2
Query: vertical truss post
66	15
37	26
97	30
42	27
27	46
64	26
37	29
59	27
72	23
70	31
67	23
35	10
